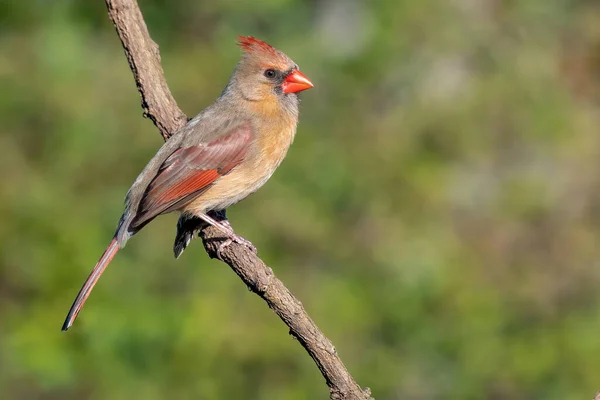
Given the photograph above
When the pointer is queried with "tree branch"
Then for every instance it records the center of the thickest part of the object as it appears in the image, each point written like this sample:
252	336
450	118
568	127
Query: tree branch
144	60
160	106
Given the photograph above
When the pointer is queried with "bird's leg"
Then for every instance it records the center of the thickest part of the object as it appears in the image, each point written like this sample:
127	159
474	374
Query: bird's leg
235	238
224	226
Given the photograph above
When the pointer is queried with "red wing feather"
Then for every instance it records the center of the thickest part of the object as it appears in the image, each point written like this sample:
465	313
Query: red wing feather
188	185
189	171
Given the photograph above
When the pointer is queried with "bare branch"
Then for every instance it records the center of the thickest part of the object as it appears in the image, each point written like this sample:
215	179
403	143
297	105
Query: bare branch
144	60
260	279
159	105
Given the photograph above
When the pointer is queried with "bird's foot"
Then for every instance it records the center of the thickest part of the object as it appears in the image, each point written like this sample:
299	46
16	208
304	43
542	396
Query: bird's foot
219	221
237	239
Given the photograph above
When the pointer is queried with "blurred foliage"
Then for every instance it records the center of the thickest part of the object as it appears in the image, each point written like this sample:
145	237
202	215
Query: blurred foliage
438	214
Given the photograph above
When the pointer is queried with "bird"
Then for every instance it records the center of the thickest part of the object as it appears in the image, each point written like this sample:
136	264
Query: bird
222	155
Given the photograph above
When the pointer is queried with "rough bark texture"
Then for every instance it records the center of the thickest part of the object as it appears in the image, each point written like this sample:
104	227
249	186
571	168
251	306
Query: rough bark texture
144	59
160	106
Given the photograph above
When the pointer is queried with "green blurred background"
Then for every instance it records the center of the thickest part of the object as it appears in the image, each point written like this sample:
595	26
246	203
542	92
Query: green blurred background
438	214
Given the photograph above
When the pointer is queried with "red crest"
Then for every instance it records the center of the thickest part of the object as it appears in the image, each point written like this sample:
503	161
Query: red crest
250	44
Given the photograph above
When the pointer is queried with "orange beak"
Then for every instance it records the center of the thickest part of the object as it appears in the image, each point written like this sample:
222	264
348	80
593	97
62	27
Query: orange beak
296	82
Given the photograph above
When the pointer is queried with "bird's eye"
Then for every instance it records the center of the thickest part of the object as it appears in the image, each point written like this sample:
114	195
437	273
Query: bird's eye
270	73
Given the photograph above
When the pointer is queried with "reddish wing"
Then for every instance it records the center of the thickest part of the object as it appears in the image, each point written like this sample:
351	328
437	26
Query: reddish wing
191	170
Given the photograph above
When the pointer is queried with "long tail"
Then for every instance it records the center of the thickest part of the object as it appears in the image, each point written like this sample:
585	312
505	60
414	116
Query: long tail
87	287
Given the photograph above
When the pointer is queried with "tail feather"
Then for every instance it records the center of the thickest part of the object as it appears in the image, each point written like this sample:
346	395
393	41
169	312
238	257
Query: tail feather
87	287
188	227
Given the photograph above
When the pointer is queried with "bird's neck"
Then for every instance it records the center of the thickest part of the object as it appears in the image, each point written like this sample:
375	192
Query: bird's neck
274	110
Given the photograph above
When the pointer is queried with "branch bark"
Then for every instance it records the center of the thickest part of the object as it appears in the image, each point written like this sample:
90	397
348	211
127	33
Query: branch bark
144	60
160	106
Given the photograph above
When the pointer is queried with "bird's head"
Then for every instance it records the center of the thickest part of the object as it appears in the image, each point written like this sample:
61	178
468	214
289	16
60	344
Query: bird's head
267	74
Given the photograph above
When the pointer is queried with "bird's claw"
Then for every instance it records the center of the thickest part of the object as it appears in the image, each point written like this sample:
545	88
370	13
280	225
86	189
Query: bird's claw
245	242
236	239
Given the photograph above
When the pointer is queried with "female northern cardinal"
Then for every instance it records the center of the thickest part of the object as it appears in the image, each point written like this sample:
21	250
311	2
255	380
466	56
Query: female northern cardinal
222	155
